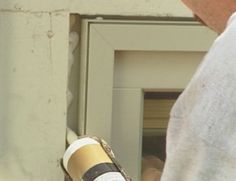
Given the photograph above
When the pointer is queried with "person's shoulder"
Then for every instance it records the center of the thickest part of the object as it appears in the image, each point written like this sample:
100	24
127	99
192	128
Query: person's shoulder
228	36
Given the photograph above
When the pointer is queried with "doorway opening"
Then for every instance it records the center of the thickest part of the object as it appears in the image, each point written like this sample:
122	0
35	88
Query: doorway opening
157	106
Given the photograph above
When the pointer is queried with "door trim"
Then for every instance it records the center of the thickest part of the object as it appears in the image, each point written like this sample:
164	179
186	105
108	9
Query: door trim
100	40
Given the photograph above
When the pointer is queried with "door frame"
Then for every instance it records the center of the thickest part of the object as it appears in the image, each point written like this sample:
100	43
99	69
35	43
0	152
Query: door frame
99	41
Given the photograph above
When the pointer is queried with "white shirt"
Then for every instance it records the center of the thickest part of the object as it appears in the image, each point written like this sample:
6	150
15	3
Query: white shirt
201	136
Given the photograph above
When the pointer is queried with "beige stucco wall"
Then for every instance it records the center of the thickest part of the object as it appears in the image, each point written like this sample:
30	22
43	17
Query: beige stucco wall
33	78
93	7
130	7
33	61
34	5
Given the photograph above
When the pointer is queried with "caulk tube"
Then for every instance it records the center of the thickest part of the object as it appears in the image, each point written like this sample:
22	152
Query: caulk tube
86	160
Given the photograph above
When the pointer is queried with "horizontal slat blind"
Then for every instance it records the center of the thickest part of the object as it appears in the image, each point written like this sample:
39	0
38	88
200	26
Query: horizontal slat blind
156	113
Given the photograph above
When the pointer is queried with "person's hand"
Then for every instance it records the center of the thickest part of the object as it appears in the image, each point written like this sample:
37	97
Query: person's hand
151	174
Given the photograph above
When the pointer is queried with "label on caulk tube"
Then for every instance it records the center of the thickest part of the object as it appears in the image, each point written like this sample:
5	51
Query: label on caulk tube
111	176
85	159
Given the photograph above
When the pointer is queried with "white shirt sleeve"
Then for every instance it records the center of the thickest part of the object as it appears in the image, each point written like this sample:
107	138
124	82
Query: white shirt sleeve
201	138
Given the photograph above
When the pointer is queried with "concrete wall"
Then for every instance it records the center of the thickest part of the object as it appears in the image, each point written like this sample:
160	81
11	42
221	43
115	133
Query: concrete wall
33	78
93	7
34	5
170	8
